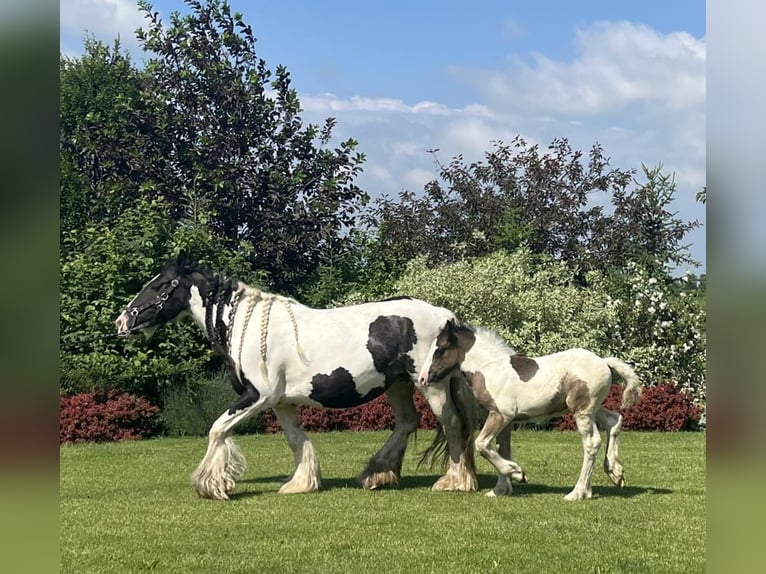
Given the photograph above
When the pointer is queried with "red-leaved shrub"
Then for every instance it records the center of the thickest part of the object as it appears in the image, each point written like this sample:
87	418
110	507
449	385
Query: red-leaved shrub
375	415
106	416
664	407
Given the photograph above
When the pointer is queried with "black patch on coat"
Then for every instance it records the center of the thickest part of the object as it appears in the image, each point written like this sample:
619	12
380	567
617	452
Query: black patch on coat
338	390
391	338
398	298
524	366
249	396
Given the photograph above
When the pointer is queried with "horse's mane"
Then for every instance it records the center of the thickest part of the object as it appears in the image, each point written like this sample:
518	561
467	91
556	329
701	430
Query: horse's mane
493	338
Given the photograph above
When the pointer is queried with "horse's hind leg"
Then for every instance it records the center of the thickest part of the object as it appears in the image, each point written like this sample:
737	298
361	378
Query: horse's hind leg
591	442
307	476
223	462
611	422
385	467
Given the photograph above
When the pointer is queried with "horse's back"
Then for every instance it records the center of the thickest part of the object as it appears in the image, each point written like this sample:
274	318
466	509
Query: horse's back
582	364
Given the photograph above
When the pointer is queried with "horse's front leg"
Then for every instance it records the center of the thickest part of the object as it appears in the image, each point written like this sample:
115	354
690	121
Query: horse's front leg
495	426
461	470
223	463
503	486
307	476
385	467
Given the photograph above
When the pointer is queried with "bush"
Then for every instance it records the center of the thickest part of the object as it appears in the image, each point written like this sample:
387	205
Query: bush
107	416
533	302
191	409
102	268
375	415
660	327
664	407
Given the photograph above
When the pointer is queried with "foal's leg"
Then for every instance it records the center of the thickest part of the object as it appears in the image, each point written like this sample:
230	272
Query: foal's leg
223	462
461	472
591	442
385	467
307	476
503	486
611	422
497	423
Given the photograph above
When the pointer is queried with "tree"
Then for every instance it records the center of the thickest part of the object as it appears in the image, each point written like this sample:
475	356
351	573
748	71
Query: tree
519	195
207	120
642	228
101	143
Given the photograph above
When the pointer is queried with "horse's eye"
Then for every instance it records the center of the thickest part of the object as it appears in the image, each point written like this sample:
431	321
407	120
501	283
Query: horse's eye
438	353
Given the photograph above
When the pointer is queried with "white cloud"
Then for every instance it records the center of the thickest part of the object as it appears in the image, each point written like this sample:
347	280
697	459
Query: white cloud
104	19
617	65
417	178
637	92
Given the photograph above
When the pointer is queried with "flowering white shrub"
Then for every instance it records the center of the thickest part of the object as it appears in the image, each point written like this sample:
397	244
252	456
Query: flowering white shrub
535	305
661	329
538	308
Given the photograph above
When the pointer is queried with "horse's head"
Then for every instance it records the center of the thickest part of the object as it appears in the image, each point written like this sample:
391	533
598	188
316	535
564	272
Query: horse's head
447	352
164	298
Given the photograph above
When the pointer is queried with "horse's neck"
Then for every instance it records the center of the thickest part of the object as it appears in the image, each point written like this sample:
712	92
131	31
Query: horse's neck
212	311
487	353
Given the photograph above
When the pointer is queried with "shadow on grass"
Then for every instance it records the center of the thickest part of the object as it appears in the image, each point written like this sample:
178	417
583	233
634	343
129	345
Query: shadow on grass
528	489
486	482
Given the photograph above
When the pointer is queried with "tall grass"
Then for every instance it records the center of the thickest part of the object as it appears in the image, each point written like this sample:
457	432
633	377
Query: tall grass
128	507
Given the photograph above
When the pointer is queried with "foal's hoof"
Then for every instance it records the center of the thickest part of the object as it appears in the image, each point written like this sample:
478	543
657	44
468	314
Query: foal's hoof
617	479
523	478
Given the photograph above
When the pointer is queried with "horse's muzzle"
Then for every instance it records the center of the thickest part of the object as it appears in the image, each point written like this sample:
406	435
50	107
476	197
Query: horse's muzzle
123	330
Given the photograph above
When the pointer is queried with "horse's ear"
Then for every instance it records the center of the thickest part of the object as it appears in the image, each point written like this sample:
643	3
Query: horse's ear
185	262
465	337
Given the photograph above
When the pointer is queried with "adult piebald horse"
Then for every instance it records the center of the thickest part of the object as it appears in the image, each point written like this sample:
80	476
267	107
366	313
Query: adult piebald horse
280	354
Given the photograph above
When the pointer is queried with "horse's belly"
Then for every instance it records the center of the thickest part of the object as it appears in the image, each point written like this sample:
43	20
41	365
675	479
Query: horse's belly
337	387
532	404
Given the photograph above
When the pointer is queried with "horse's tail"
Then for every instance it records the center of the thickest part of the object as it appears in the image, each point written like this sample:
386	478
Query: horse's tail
468	413
633	385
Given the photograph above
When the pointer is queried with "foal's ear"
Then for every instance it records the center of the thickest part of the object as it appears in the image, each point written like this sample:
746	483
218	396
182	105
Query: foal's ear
465	337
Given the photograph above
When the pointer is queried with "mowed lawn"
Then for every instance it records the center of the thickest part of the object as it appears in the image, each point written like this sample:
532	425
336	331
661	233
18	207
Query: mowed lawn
129	507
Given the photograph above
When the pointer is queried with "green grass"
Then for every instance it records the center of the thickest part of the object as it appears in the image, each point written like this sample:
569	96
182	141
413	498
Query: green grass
129	507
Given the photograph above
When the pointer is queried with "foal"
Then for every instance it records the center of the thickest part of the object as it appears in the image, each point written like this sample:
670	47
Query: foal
514	388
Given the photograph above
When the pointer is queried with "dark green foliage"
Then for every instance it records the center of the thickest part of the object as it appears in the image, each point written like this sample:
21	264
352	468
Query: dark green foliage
190	410
520	195
206	120
102	149
102	269
228	129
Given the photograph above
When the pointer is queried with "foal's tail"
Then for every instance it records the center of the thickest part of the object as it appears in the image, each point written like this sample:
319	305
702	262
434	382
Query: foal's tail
633	386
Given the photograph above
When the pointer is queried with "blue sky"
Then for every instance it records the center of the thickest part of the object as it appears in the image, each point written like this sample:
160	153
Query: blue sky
403	77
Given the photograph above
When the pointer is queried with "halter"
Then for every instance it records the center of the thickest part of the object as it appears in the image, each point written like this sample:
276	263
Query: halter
158	302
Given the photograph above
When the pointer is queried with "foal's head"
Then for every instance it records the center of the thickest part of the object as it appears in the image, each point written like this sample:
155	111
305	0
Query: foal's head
447	352
164	298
